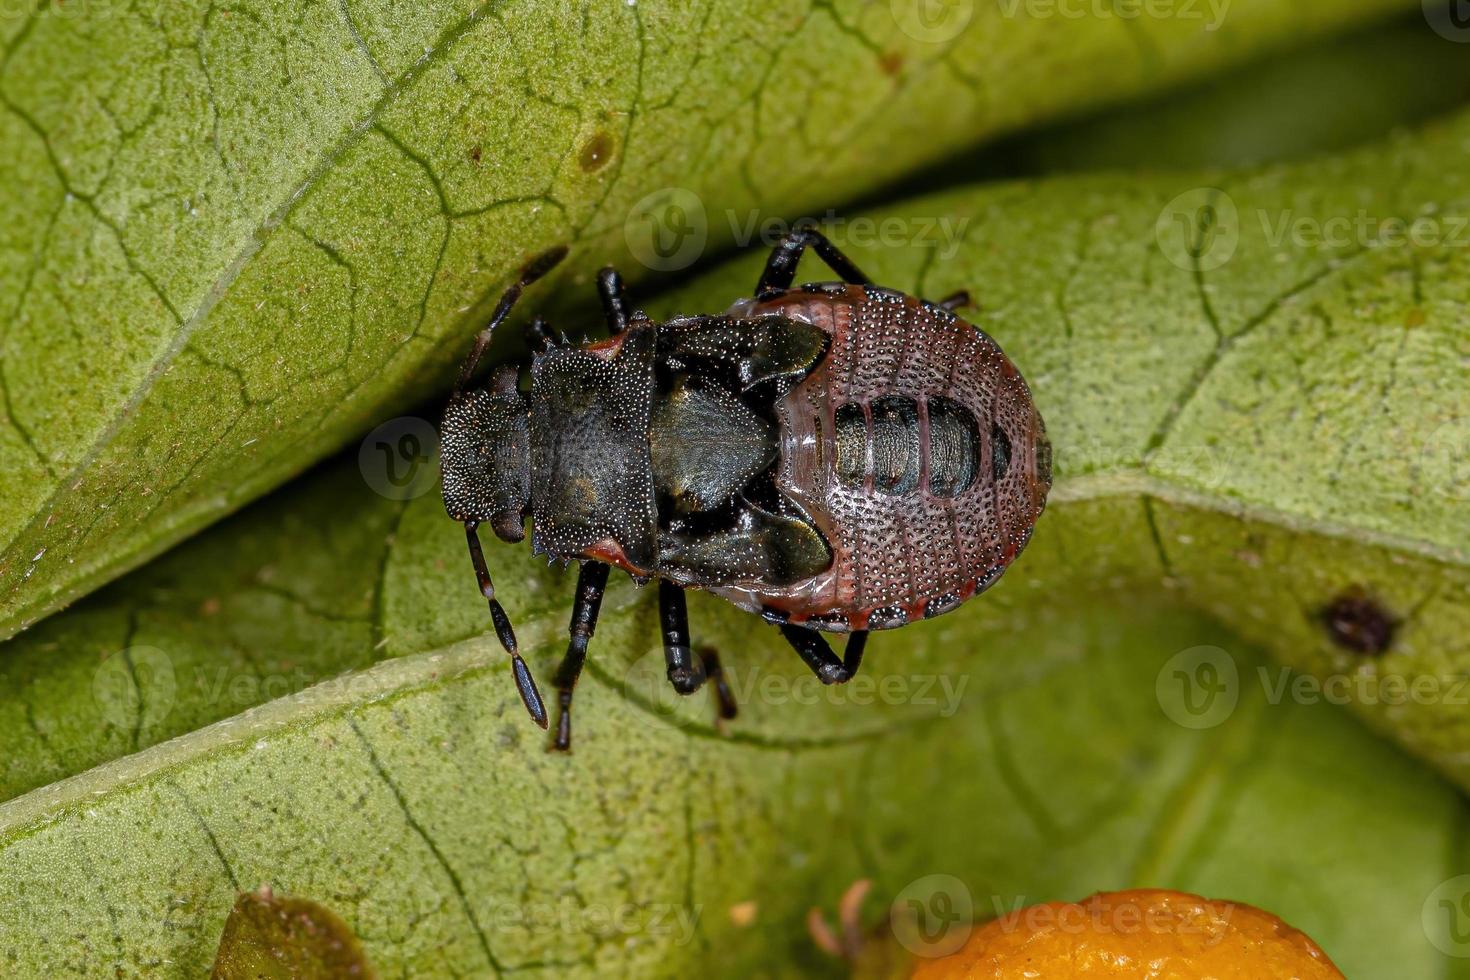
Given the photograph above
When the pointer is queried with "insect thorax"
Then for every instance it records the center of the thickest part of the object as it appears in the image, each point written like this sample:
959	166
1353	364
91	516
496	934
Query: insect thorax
656	450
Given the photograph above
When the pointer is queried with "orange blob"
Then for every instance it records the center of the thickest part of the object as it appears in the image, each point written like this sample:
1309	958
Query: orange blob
1142	934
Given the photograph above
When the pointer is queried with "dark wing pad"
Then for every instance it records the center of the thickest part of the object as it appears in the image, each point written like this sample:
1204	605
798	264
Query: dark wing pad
591	476
744	352
772	549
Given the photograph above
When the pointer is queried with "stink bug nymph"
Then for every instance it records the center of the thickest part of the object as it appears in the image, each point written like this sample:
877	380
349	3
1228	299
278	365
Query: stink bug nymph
835	457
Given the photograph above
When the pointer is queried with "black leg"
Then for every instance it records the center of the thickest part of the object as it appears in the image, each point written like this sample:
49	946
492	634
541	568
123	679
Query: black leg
524	682
591	581
614	302
812	647
673	618
956	300
533	270
781	267
687	676
540	336
716	674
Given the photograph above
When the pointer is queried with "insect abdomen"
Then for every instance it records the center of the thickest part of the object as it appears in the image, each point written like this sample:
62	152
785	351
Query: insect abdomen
917	451
897	445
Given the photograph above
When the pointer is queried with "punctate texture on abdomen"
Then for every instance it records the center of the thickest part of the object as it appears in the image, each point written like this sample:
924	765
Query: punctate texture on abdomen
913	448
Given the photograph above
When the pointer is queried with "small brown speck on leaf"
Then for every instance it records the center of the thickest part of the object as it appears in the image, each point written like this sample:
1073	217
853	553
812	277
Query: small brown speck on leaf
891	63
742	914
475	154
1358	623
596	152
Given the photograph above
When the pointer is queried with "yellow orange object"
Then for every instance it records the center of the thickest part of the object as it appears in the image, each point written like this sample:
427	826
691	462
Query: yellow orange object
1142	934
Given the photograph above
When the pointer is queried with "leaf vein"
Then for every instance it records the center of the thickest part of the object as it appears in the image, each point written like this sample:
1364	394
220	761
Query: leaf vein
418	828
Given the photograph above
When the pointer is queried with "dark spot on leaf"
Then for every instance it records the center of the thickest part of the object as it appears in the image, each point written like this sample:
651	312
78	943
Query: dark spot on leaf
270	936
596	152
475	154
1358	623
891	63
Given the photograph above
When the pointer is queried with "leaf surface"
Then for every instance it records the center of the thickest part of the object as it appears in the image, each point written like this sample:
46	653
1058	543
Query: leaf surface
235	237
1234	445
417	801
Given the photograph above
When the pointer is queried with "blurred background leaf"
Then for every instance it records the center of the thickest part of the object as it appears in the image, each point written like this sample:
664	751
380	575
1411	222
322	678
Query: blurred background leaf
1330	94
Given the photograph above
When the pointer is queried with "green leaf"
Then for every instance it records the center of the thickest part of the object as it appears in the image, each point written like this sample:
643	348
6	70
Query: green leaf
236	237
419	802
1333	94
1235	445
272	937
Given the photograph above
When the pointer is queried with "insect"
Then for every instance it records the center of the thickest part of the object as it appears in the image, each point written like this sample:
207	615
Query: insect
835	457
1357	622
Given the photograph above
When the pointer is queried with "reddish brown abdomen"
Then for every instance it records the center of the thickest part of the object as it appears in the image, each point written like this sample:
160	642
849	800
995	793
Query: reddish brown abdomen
916	448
